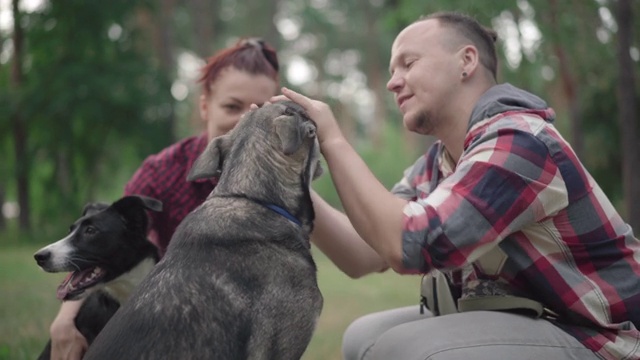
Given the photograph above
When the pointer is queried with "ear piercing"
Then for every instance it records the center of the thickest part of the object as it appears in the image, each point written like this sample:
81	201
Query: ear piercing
464	74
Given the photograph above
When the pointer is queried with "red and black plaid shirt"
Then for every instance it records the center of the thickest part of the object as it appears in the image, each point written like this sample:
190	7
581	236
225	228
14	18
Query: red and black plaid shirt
163	176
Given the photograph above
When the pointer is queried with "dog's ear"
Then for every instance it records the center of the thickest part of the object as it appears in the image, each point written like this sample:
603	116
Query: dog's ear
318	171
137	201
132	209
209	163
150	203
92	208
292	131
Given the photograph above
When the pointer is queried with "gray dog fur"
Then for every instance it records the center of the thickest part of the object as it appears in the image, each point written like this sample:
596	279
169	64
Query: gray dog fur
238	280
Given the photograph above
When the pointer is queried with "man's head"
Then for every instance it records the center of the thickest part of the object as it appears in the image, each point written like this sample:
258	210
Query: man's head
465	31
439	66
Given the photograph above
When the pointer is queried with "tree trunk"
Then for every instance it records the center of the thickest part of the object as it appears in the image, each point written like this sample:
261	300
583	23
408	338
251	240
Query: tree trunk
263	25
568	82
159	27
165	48
627	107
375	79
3	222
18	124
204	16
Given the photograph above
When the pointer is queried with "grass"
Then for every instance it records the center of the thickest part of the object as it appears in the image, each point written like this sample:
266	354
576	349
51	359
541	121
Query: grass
28	303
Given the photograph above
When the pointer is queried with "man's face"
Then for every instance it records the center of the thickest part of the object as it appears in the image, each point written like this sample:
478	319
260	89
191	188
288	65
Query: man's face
424	75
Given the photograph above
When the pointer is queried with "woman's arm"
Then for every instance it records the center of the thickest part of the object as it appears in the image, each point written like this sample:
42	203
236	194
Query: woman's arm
66	341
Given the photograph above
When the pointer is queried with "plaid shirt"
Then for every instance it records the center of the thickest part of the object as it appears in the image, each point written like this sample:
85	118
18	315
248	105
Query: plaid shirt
163	176
519	215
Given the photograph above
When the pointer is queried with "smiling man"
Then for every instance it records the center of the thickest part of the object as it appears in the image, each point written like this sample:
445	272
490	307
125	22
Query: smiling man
525	255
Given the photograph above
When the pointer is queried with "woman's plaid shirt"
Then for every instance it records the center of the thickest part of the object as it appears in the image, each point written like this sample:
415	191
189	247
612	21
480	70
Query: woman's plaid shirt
519	214
164	176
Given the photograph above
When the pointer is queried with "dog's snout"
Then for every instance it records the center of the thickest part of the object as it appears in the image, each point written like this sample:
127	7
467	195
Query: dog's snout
42	256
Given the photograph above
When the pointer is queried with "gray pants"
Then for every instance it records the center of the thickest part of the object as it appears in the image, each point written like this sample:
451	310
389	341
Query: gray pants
404	334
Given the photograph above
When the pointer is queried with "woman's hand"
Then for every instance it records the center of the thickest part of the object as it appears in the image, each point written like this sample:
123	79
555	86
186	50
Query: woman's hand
327	127
66	341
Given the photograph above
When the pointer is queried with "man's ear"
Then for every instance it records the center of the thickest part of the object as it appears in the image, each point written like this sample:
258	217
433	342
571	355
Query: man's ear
210	162
470	58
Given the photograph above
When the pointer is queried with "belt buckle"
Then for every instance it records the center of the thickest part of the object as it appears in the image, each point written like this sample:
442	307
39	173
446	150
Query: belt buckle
549	314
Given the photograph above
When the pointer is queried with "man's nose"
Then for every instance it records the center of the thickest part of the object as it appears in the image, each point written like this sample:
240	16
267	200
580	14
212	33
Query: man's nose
395	83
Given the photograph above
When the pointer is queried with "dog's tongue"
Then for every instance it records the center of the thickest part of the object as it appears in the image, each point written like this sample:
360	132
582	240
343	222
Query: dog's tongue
75	283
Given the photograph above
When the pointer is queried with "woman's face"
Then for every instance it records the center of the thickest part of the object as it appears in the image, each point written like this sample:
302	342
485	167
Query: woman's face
231	95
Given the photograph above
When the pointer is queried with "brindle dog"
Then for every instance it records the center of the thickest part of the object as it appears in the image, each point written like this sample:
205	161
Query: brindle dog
238	280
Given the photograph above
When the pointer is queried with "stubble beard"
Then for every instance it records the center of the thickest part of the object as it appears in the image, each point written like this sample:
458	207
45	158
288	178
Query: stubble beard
423	123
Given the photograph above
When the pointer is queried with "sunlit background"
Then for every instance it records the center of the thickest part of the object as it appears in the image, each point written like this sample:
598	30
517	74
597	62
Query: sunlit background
89	88
126	71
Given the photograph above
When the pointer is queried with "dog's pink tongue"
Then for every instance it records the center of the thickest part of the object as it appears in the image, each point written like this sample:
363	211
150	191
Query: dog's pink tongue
64	287
75	283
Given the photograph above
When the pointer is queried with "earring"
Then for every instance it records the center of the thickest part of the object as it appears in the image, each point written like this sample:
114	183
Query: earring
464	74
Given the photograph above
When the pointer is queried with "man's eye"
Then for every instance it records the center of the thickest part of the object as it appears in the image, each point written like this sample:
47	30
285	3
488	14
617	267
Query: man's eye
233	107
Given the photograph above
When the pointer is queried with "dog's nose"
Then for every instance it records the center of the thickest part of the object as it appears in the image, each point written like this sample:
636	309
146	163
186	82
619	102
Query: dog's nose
42	256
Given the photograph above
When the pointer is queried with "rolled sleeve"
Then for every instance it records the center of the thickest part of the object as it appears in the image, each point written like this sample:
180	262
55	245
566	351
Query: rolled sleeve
492	194
415	225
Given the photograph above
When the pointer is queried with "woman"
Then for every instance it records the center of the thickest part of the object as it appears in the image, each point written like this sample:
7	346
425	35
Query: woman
232	80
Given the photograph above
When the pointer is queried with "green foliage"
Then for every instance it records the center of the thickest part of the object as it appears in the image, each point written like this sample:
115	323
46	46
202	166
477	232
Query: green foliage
602	141
386	163
96	97
94	100
389	162
408	11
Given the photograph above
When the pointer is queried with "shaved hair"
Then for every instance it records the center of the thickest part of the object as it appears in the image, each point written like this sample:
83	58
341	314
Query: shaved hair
471	30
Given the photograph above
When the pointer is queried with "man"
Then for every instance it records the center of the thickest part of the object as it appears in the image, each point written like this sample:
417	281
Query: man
539	261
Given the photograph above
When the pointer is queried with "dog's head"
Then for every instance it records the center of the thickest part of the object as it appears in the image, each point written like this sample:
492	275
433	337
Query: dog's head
280	134
105	242
271	157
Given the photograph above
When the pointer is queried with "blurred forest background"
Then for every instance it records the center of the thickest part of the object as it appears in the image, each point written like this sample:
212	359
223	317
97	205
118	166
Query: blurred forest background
90	88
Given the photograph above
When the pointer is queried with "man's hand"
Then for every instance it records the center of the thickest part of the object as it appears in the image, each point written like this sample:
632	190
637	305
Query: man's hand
327	127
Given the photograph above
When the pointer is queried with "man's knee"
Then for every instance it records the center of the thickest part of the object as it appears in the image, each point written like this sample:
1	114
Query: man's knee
365	331
358	338
482	335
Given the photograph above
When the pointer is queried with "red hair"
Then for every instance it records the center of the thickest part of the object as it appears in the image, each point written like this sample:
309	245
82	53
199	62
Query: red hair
252	55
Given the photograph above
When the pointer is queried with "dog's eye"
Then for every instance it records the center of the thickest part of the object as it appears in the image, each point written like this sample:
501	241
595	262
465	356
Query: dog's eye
90	230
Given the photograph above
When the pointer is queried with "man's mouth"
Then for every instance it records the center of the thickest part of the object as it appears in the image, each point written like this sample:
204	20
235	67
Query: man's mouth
402	100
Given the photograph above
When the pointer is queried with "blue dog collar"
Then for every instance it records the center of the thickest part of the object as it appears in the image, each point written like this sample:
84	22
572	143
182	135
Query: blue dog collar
282	212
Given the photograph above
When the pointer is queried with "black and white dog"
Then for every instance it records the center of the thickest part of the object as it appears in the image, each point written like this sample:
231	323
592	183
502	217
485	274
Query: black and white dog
108	254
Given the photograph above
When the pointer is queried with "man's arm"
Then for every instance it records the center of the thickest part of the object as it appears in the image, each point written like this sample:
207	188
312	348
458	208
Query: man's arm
336	237
376	214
